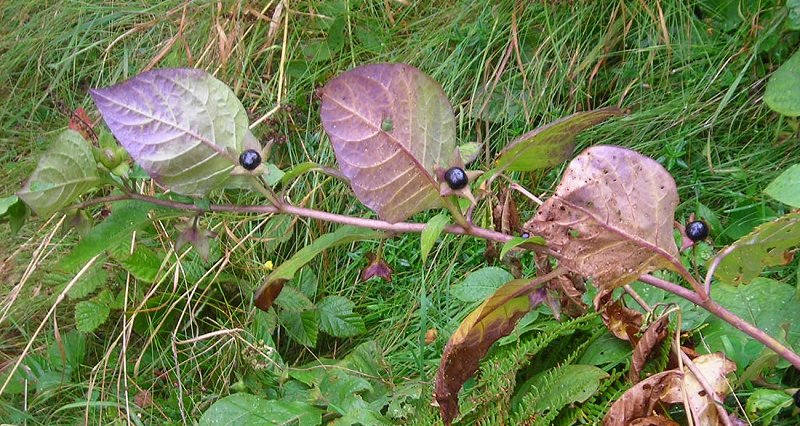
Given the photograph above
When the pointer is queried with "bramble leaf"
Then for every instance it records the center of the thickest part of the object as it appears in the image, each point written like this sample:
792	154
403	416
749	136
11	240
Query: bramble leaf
768	245
493	319
65	171
90	314
244	409
336	317
274	282
611	217
183	126
301	326
551	144
390	125
783	88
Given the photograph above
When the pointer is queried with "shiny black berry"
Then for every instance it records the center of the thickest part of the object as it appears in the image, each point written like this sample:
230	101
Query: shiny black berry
697	230
797	399
456	178
250	159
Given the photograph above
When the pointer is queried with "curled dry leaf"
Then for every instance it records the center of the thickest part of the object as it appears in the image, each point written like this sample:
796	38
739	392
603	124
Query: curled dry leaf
611	216
506	218
620	320
653	421
651	338
390	126
715	369
640	400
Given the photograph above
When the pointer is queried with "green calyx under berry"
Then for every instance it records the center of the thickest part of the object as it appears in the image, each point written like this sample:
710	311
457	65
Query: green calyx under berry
697	230
250	159
456	178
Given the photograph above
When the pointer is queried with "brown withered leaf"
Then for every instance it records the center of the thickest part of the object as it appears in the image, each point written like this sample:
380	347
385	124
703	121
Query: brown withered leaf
653	421
505	215
715	368
651	338
640	400
493	319
267	294
611	216
621	321
81	123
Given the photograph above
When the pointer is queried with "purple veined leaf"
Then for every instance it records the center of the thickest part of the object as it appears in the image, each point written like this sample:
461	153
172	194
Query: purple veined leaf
611	217
65	171
390	125
183	126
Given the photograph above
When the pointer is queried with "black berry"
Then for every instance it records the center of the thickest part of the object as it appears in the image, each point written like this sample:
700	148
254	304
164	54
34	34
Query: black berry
456	178
797	399
250	159
697	230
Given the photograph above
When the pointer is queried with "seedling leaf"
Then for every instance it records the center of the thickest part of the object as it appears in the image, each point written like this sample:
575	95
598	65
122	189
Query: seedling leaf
65	171
391	170
611	216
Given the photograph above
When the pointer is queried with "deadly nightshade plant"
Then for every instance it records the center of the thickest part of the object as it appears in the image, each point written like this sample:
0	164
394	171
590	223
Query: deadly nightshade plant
393	132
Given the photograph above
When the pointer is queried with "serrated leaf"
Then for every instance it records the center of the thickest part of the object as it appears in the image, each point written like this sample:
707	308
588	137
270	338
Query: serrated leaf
336	317
286	271
65	171
786	187
303	327
480	284
783	88
294	300
126	217
340	390
611	217
768	304
549	145
243	409
390	125
553	390
431	232
93	279
493	319
181	125
768	245
143	264
90	314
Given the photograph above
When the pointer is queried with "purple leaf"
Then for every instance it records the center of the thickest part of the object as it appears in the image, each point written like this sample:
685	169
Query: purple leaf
183	126
390	125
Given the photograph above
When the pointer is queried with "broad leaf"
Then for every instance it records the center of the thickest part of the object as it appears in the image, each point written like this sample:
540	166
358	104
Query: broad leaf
336	317
293	299
6	203
768	245
274	282
786	187
549	145
553	390
90	314
431	233
770	305
183	126
93	279
715	369
243	409
65	171
783	88
639	401
143	264
390	125
611	216
765	404
301	326
493	319
480	284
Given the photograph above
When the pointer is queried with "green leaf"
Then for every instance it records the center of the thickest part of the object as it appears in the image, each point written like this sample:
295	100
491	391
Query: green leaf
65	171
243	409
277	230
6	203
770	305
551	144
431	232
293	299
783	88
303	327
127	216
469	151
273	175
607	351
793	22
518	241
340	390
391	171
143	264
183	126
765	404
493	319
17	214
768	245
336	317
90	314
298	170
480	284
554	389
286	271
786	187
93	279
